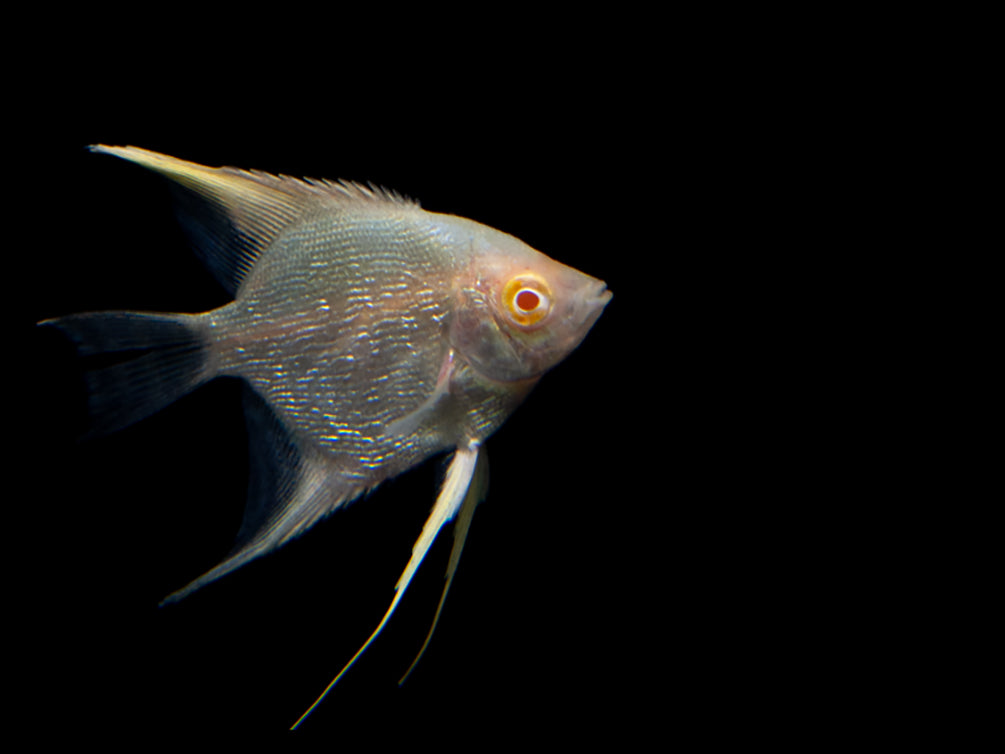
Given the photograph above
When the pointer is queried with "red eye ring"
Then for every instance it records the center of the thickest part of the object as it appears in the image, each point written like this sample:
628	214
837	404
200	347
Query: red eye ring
526	299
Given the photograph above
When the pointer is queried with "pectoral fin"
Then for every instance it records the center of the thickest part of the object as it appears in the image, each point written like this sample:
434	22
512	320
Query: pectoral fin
452	494
410	422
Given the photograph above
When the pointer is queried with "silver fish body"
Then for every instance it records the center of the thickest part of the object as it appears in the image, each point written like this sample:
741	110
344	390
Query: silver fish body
371	334
348	346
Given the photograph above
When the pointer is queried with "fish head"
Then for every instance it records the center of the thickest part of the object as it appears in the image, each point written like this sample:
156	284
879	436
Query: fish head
518	312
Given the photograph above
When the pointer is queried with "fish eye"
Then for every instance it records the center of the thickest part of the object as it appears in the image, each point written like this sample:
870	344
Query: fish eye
527	299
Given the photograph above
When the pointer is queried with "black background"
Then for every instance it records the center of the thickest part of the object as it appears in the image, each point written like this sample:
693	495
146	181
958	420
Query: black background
557	622
656	558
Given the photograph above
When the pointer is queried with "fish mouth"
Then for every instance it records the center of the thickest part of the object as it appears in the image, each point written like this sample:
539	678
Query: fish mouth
590	305
594	300
602	295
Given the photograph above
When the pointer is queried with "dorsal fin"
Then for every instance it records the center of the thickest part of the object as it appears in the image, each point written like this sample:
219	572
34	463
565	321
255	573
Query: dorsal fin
232	215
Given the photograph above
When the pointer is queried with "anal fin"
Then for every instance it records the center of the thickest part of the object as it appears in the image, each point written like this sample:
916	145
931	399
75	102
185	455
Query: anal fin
288	492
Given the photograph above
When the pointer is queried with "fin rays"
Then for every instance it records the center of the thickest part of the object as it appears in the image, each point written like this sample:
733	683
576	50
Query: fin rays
453	494
231	216
476	494
287	493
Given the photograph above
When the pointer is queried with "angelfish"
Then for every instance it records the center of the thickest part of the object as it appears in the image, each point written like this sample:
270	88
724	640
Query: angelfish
370	334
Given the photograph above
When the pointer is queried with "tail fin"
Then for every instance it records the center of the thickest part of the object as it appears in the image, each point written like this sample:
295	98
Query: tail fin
137	363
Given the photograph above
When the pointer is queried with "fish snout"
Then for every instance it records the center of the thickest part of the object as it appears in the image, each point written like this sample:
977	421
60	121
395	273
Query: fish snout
601	295
594	296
